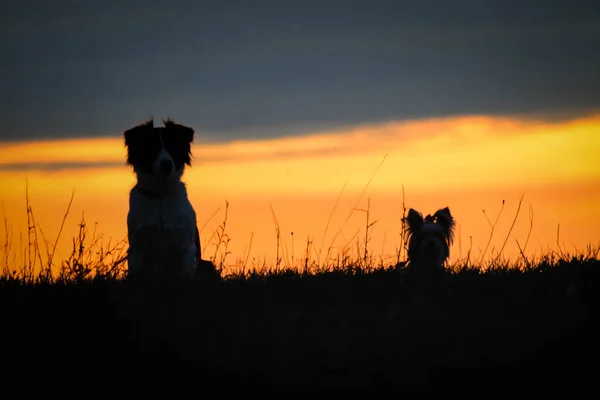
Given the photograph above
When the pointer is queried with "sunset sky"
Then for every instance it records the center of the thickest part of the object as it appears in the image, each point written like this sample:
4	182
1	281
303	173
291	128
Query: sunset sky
462	106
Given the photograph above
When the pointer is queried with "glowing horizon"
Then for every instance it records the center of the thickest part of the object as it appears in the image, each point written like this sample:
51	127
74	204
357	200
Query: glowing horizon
469	163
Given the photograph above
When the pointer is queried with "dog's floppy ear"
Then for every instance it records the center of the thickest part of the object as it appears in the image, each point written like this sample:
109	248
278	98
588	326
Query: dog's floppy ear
184	132
136	132
445	219
414	220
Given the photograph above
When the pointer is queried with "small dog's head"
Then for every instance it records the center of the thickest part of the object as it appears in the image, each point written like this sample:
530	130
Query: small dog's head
429	239
158	155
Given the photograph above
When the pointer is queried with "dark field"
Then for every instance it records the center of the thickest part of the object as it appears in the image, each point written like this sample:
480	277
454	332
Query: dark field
345	328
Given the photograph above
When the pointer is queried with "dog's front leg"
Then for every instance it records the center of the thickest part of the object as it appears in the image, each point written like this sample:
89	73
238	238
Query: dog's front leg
137	258
135	261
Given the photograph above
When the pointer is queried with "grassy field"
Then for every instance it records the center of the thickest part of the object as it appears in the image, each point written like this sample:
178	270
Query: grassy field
337	328
357	323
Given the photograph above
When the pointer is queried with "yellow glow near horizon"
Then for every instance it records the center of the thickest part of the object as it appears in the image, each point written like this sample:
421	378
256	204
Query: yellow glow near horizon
456	161
71	150
459	152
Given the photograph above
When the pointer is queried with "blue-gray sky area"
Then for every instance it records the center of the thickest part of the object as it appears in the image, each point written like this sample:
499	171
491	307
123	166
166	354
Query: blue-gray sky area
254	68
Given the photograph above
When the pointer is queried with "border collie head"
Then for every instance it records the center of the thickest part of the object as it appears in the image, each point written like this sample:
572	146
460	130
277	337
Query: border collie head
429	239
159	155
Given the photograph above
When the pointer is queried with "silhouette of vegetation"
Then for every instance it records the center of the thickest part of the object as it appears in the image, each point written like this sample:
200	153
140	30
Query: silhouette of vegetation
333	322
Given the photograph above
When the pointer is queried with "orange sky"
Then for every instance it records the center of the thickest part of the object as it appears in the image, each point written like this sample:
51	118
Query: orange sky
469	163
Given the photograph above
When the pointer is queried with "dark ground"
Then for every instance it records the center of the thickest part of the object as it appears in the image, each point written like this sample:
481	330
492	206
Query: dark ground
336	329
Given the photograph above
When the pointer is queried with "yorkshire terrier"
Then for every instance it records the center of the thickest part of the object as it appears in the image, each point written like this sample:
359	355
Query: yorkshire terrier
429	239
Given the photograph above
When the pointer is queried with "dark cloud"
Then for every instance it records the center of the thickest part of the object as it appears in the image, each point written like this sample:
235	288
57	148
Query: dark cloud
254	69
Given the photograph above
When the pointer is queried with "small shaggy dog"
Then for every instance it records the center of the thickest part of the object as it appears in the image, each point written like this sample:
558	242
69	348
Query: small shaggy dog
164	241
429	239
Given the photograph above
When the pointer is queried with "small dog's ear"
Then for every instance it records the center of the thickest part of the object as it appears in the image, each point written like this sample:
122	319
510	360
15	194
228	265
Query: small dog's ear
136	132
414	220
445	219
184	132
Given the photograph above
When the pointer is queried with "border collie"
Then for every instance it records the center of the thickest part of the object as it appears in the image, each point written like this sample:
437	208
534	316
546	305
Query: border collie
164	241
429	239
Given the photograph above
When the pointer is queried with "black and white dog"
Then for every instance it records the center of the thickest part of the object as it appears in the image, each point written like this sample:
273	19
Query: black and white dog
164	241
429	239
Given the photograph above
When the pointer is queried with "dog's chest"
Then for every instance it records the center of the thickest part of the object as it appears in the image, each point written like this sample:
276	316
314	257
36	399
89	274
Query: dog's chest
172	216
165	215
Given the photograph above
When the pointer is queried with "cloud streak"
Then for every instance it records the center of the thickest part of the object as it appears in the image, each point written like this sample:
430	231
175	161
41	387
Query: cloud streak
57	166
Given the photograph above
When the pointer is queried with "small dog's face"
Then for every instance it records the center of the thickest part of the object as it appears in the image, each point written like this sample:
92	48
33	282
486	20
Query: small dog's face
159	154
429	238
